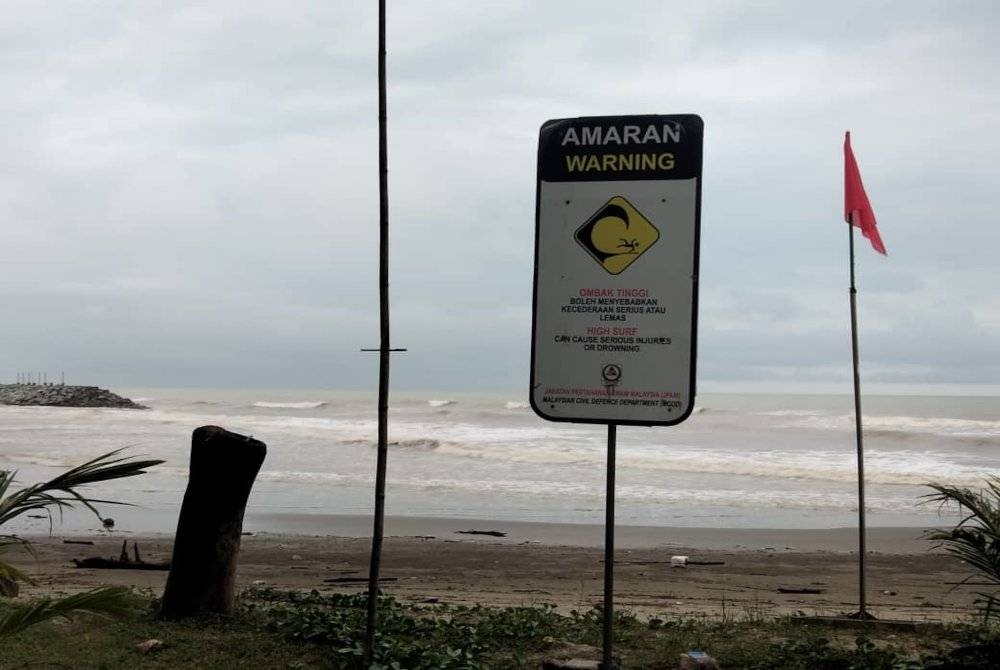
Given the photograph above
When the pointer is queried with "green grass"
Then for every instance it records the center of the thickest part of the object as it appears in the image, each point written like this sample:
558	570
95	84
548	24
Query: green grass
88	642
277	629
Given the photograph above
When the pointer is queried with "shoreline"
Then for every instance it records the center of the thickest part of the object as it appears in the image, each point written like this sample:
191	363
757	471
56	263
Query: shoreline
899	540
434	564
887	539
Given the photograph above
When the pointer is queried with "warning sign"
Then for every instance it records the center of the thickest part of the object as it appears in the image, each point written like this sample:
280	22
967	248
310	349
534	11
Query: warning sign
617	234
616	269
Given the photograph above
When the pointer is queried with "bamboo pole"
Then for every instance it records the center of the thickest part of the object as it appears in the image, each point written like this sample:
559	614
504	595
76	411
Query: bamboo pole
384	350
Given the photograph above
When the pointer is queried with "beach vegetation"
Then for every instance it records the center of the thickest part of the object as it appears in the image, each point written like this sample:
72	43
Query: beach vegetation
471	637
289	629
57	495
975	539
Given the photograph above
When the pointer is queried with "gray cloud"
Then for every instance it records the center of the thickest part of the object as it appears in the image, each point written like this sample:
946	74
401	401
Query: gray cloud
189	195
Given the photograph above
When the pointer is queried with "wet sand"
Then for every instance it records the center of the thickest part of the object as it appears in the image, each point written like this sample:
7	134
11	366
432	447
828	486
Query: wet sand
427	560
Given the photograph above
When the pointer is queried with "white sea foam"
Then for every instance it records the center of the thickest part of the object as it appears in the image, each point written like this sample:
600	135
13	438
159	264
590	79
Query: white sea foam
289	405
794	412
292	476
666	497
482	454
48	460
935	425
900	426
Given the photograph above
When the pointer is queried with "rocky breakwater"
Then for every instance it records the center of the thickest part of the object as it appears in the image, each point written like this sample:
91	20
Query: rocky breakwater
55	395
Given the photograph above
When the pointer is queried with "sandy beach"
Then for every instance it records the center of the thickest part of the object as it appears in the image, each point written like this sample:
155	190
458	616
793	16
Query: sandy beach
743	572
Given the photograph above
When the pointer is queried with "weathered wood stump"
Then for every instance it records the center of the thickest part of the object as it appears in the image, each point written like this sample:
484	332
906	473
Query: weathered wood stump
8	587
207	543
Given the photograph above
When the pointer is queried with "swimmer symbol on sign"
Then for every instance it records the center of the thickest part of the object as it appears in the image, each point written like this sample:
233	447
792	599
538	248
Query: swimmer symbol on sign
616	235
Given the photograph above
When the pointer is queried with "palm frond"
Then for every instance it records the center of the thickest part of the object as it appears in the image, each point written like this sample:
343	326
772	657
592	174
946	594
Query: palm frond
108	601
983	506
6	479
8	570
975	539
60	493
44	495
7	541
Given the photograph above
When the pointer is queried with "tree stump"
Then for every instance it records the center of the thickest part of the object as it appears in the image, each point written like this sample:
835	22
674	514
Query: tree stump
207	543
8	587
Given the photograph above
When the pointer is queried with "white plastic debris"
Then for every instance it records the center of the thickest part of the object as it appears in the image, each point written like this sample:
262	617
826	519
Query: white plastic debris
678	561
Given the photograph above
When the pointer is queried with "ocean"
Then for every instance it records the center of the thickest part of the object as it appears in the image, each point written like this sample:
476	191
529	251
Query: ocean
740	461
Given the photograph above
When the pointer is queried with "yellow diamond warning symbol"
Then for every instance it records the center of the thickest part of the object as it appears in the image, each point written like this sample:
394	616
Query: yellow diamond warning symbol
616	235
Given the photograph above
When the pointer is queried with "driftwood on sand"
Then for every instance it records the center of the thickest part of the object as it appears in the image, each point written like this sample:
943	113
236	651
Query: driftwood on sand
123	562
491	533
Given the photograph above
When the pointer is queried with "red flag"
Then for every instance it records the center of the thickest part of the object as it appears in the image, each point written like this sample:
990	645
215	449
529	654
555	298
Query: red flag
857	209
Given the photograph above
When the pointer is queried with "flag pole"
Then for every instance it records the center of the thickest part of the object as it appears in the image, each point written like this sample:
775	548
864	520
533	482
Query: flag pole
384	350
862	612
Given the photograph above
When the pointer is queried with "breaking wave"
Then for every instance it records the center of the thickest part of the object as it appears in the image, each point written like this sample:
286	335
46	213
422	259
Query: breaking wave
884	467
289	405
561	490
898	426
424	444
935	426
440	403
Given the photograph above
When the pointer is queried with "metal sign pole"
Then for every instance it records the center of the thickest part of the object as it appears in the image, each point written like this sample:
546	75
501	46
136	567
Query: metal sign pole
609	551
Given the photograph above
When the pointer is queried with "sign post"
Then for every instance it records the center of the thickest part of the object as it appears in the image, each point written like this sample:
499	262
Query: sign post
614	320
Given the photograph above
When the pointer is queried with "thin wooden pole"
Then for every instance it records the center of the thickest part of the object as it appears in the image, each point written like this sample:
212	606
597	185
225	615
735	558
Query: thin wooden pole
384	350
609	551
862	605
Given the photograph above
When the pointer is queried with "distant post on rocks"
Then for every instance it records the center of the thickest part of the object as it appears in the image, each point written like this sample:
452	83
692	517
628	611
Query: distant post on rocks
202	575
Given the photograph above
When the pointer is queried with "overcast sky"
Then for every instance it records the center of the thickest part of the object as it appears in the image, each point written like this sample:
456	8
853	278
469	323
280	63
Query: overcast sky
189	194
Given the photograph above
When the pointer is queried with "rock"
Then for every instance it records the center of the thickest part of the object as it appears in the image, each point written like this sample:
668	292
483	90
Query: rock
56	395
149	646
697	660
564	655
564	649
9	587
570	664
